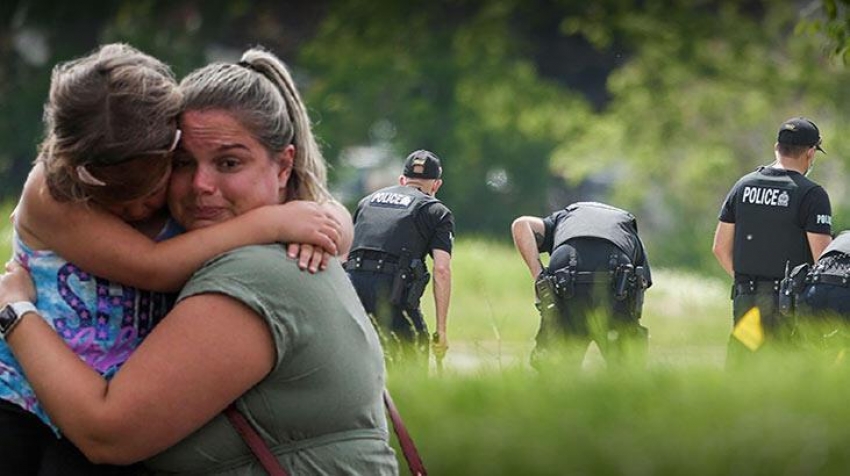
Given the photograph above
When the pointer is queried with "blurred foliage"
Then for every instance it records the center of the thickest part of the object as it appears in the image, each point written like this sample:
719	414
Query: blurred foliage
657	106
454	77
698	105
832	21
37	34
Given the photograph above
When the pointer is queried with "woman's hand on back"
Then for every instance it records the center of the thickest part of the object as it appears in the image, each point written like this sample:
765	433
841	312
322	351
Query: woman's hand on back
311	258
16	285
308	223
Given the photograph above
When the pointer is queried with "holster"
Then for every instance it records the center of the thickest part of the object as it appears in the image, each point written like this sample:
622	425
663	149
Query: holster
790	288
409	284
547	296
563	281
419	278
641	283
624	280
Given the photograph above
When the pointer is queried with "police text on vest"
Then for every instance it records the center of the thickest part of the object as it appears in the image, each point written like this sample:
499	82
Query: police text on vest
773	197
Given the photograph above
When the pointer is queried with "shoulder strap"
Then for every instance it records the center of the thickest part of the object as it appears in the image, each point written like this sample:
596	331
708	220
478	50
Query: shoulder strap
414	462
255	442
272	465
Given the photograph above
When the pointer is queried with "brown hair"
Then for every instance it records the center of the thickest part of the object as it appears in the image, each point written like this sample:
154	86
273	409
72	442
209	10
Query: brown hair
260	93
114	113
791	150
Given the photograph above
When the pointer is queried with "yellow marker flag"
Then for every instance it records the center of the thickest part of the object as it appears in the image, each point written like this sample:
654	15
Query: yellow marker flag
749	331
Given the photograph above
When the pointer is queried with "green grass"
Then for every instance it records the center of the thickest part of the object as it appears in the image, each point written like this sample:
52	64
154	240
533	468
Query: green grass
492	319
6	230
490	414
787	417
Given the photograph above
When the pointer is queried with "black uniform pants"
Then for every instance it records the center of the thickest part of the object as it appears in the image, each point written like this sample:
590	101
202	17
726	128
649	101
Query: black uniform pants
29	448
592	314
776	328
402	330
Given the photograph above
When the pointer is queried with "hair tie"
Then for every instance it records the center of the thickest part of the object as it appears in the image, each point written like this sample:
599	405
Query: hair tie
87	178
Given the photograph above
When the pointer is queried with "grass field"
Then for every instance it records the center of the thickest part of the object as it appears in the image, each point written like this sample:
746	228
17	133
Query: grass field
490	414
492	319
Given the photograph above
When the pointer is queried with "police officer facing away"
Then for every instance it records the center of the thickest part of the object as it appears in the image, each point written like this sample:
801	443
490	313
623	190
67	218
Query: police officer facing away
772	218
394	228
594	284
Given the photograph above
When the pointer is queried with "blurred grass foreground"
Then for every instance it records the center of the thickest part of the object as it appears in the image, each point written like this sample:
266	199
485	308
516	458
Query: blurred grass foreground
489	413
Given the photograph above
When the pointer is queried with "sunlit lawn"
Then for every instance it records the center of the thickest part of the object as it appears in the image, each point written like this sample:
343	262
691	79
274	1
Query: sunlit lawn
489	413
492	319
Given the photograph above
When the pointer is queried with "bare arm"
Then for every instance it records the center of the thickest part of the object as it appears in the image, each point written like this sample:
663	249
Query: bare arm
346	230
208	351
528	233
442	294
104	245
818	242
724	237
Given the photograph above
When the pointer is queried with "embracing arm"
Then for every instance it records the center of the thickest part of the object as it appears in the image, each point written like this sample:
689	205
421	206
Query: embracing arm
208	351
346	230
528	233
104	245
314	258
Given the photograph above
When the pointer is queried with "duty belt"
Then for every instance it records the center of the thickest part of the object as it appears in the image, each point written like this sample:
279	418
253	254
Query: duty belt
750	286
592	277
827	278
359	263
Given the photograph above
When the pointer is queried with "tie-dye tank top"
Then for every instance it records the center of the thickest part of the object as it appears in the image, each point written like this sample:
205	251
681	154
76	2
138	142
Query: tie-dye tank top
102	321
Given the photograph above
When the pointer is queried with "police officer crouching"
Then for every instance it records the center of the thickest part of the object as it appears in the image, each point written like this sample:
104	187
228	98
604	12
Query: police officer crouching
394	229
593	287
820	295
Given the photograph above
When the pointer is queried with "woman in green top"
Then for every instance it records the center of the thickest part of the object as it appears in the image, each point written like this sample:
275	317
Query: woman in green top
294	350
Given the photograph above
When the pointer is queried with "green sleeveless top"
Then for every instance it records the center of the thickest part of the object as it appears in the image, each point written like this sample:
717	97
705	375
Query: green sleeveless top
320	409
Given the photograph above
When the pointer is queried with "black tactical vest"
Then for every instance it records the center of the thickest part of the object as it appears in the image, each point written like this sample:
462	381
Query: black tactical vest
597	220
385	222
767	228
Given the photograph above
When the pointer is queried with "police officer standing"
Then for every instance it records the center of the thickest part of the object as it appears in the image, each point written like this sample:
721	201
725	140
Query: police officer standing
394	229
772	218
593	287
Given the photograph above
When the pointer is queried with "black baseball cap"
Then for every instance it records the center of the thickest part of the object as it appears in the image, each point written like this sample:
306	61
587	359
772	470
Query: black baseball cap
799	131
423	164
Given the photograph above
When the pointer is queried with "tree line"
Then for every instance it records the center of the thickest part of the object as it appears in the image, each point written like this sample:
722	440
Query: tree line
656	106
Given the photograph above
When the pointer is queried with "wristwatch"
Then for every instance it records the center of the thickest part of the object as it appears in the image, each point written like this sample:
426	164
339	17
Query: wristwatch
11	315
